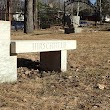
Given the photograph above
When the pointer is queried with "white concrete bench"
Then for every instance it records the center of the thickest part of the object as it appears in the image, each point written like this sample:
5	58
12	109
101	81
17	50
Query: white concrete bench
53	53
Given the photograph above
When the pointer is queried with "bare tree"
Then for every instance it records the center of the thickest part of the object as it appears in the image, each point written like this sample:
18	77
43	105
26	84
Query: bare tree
8	10
35	4
28	18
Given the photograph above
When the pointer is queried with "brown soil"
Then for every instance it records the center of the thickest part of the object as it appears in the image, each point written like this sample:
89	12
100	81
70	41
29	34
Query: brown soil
85	86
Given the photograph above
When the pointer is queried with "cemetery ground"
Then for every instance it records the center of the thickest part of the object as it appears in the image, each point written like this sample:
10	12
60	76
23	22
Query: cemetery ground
85	86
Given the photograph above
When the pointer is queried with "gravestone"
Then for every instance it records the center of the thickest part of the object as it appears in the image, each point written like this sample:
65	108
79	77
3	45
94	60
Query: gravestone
76	21
8	63
76	24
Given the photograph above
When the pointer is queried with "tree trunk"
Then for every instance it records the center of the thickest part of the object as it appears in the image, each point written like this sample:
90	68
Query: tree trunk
28	17
35	2
8	11
78	9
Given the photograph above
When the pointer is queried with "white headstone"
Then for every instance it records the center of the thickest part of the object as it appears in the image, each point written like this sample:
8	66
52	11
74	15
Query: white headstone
8	64
76	21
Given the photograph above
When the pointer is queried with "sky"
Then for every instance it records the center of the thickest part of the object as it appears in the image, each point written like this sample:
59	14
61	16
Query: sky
93	1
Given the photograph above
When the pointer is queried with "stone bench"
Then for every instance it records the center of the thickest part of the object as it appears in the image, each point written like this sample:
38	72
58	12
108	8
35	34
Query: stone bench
53	53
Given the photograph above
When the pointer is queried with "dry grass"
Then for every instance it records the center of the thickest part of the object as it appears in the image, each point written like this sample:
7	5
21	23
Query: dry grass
85	86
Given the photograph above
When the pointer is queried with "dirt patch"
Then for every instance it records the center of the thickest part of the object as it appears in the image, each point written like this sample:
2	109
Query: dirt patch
85	86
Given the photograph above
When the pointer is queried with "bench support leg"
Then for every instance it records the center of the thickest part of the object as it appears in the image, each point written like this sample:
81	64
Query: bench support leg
54	61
